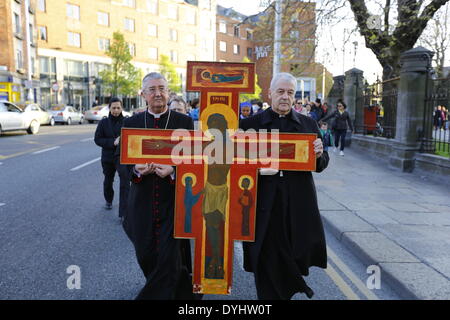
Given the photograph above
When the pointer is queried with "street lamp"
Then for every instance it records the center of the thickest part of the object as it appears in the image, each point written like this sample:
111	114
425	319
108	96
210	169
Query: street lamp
355	44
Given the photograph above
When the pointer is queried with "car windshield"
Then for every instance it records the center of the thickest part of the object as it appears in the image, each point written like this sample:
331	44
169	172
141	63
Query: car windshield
57	108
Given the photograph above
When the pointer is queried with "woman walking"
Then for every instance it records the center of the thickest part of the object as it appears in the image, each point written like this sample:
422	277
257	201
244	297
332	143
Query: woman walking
107	136
341	120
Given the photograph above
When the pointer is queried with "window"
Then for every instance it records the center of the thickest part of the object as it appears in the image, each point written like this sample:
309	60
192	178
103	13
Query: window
295	34
41	5
236	49
103	44
132	48
73	11
236	31
153	53
173	56
129	24
250	53
152	30
152	6
103	18
296	52
47	65
191	39
223	46
249	35
19	59
173	35
172	11
222	27
18	29
43	33
191	17
129	3
74	39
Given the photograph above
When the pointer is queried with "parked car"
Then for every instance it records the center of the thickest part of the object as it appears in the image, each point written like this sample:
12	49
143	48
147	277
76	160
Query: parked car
14	118
66	114
99	112
44	116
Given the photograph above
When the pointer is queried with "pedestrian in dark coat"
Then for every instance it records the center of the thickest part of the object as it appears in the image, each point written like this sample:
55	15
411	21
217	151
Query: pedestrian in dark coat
164	260
339	126
289	235
107	136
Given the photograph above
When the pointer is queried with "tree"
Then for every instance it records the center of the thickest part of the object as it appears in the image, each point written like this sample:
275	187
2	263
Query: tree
436	38
167	69
387	40
251	96
122	78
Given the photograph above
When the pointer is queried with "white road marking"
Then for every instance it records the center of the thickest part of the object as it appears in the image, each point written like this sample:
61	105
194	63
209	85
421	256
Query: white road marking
2	204
88	139
1	163
45	150
342	285
85	164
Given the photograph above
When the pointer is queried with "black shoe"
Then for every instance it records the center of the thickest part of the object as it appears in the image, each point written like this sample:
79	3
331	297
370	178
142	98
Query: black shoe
108	206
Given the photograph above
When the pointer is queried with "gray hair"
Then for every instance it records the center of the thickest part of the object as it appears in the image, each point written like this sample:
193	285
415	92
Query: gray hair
283	76
152	76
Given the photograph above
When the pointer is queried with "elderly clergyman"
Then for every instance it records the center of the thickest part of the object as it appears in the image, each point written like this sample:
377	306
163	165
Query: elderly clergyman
289	235
165	261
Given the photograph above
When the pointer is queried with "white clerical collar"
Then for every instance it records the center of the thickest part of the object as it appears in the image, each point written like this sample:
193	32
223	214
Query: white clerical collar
157	115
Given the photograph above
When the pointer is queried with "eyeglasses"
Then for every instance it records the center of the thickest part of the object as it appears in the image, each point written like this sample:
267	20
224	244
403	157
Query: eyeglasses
152	90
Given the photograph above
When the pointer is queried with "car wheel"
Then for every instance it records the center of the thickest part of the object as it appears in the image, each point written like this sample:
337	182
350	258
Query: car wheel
91	121
0	130
81	120
69	121
52	122
34	127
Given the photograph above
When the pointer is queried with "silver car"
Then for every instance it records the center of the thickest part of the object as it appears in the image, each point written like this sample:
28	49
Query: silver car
44	117
99	112
66	114
14	118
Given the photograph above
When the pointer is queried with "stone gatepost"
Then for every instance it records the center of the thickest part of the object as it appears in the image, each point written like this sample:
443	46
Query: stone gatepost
337	91
353	86
415	65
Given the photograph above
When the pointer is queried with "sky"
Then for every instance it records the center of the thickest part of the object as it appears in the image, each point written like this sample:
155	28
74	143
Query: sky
329	44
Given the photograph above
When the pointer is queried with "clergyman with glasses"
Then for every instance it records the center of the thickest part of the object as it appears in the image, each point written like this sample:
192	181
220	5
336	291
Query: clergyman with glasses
165	261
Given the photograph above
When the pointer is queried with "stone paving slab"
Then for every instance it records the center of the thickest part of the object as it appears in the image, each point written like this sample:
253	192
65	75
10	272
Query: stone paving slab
345	221
416	281
405	206
376	217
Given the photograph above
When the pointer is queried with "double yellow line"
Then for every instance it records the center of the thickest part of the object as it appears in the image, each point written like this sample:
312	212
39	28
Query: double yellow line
342	284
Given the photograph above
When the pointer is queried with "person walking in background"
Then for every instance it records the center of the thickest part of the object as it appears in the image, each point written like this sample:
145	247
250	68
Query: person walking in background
326	134
341	120
246	110
177	104
195	110
107	136
298	106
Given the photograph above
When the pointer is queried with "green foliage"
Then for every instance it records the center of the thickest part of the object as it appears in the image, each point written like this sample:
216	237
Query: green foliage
167	69
122	78
250	96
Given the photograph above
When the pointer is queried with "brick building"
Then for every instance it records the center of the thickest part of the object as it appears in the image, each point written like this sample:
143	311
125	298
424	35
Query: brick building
74	35
18	54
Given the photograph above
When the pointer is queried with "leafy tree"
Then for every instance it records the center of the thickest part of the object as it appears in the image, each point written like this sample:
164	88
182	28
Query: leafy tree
167	69
121	78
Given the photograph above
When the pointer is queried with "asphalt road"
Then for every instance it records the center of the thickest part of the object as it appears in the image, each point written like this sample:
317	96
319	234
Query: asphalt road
51	218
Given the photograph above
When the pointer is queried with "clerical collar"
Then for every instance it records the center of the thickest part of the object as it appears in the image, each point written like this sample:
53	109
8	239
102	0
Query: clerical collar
288	115
158	115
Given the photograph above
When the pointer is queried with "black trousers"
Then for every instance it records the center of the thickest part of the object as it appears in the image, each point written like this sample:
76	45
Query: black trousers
339	134
109	171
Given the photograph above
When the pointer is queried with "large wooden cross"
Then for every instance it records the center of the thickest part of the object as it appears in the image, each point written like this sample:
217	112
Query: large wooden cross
215	201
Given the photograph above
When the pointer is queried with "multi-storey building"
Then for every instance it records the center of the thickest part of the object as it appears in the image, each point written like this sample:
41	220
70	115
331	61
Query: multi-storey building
18	56
234	36
73	36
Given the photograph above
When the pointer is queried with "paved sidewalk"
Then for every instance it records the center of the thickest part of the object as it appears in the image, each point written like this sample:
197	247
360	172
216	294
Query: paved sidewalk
398	221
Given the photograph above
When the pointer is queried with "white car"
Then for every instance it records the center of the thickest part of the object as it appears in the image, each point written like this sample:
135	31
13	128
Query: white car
44	117
99	112
66	114
14	118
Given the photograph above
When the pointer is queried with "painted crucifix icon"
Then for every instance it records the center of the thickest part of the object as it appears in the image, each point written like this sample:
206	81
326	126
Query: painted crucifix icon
216	168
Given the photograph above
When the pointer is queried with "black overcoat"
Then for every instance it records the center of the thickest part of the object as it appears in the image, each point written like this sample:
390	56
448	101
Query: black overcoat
307	239
165	261
108	129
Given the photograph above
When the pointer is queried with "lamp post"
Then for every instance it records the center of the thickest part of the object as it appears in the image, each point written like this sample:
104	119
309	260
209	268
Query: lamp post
277	36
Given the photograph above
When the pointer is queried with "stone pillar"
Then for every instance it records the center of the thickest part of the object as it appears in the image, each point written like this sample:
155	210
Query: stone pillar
337	90
415	66
353	86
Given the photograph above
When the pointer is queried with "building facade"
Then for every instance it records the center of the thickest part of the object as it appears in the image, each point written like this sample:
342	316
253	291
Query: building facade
18	54
74	35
